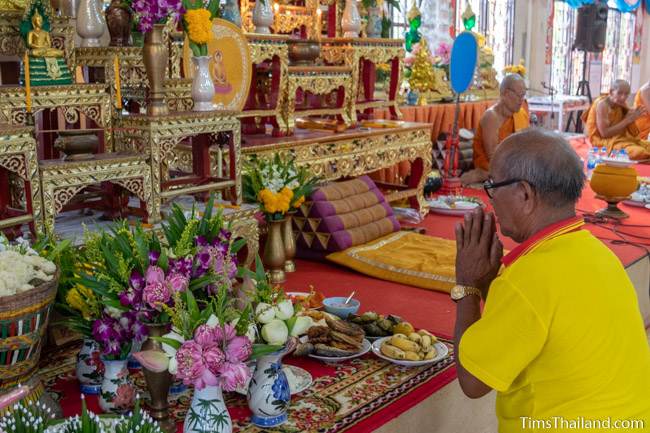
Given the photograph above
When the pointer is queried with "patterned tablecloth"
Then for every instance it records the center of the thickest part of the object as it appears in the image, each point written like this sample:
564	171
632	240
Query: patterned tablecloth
354	396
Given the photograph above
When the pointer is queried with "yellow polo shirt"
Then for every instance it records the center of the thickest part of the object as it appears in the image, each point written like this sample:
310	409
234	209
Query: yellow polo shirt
562	341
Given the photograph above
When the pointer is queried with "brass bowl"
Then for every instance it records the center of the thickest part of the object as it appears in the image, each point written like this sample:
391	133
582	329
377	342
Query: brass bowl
303	52
77	144
613	185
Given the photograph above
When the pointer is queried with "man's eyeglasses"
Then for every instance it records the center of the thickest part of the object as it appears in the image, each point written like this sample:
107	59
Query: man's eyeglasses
489	185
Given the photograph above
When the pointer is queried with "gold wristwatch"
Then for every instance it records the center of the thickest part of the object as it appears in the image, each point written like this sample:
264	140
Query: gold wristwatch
458	292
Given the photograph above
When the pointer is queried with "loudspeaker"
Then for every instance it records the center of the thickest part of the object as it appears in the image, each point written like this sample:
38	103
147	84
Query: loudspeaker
591	29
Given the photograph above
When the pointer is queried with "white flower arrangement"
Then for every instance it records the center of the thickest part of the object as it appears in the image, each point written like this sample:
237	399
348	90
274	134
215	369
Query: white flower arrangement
20	265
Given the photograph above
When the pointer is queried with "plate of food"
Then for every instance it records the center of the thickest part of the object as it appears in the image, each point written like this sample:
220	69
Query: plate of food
415	350
376	325
332	339
454	204
309	300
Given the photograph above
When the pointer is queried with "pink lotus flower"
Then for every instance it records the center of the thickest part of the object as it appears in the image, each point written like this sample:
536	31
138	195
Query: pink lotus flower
154	274
225	333
239	349
178	283
409	61
190	362
156	294
205	336
213	358
207	378
443	51
233	375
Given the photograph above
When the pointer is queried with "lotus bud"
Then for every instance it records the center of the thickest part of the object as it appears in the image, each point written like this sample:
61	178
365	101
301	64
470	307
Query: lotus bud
303	323
284	310
264	313
275	332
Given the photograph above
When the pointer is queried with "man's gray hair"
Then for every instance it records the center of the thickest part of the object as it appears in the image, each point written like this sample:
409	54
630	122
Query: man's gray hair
508	81
544	159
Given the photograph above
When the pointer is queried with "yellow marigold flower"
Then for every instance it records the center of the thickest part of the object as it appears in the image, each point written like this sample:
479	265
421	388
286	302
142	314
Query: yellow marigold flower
299	202
287	192
199	25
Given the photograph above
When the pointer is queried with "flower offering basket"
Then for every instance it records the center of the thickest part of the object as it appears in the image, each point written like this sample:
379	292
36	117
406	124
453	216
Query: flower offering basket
23	321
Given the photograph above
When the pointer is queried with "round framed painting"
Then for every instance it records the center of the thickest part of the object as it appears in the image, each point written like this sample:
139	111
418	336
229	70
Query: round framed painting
230	65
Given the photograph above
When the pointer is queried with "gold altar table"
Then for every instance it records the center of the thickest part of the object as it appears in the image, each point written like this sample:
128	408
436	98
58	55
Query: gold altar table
318	80
265	98
355	152
18	156
62	180
362	55
158	138
92	100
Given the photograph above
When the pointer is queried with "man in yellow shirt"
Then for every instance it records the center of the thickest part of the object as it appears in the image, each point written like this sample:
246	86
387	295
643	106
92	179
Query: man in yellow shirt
561	338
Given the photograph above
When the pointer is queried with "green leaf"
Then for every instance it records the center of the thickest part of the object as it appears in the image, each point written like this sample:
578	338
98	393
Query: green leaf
192	306
237	245
291	323
169	341
163	260
260	350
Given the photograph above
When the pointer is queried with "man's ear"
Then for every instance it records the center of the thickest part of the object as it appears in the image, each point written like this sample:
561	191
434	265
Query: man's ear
527	197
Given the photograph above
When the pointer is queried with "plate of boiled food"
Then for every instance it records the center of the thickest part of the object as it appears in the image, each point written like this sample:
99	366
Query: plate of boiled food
454	204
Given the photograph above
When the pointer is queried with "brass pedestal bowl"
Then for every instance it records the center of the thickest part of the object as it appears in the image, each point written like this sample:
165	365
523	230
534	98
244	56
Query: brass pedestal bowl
303	52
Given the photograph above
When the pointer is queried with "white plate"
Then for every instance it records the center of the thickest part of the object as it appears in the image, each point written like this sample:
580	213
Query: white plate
636	203
441	349
299	379
365	348
449	211
617	163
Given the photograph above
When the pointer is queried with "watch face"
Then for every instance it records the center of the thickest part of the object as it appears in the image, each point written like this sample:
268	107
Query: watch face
457	292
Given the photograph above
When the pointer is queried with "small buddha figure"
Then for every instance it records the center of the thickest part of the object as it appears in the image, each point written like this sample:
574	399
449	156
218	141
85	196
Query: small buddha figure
39	40
221	84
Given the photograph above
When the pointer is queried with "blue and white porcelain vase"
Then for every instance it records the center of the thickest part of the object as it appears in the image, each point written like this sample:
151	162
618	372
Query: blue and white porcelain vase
89	368
207	412
230	11
268	393
117	393
373	25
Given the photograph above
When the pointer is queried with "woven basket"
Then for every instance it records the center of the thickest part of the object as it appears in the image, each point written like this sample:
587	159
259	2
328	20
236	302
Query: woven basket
23	321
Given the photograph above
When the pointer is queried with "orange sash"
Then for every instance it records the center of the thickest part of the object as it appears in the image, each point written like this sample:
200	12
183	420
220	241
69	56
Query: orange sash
518	121
643	122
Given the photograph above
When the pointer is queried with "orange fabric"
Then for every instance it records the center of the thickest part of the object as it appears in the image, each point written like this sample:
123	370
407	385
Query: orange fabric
629	139
441	118
643	122
517	122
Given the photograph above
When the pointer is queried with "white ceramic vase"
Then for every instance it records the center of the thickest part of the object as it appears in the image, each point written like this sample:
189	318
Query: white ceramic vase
268	392
202	85
207	412
373	26
117	393
351	20
89	369
263	16
90	22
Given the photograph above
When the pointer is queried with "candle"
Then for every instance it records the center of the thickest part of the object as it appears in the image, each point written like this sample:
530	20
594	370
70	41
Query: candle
317	28
118	87
28	85
276	8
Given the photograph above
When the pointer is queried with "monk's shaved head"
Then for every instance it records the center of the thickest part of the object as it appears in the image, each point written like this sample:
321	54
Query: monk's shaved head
509	81
543	159
621	86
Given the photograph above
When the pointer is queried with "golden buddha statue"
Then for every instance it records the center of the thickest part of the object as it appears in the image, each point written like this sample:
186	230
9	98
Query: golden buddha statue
39	40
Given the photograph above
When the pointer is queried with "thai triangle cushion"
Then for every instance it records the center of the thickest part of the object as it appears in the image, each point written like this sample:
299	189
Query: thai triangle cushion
404	257
343	214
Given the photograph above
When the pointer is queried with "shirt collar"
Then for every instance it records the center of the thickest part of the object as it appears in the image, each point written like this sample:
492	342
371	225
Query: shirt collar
559	228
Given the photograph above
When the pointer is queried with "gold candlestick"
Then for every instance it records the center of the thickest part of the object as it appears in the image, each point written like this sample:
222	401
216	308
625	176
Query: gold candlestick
28	85
118	84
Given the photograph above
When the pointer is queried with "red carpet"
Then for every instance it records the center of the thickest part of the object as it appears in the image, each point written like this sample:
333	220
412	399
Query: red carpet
433	310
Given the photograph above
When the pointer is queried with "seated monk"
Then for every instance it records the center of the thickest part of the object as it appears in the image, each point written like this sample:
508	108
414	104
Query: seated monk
506	117
611	123
642	99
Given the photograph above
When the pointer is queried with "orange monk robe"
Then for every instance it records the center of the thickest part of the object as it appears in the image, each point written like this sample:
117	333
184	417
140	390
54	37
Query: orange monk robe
628	139
518	121
643	122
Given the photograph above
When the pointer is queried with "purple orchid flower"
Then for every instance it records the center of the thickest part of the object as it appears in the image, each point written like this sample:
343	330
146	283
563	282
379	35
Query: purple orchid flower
153	257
